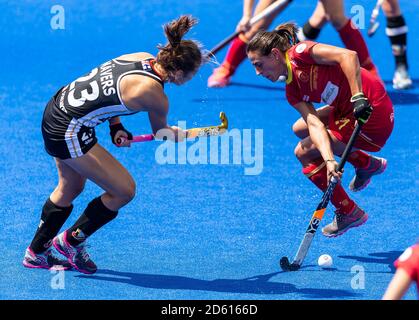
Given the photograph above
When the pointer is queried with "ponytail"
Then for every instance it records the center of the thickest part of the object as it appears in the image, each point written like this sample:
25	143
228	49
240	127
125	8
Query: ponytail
179	54
283	37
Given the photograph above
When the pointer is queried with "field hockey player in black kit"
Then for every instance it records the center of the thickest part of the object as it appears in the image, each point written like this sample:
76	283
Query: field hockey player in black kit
125	85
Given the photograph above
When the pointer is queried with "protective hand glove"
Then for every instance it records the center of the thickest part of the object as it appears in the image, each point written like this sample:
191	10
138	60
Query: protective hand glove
362	108
114	128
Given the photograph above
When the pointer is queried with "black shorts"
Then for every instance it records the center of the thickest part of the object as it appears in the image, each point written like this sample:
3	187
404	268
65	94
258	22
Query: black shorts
64	137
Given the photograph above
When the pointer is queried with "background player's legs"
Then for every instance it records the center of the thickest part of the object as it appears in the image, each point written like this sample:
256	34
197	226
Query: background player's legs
236	53
348	32
312	28
397	32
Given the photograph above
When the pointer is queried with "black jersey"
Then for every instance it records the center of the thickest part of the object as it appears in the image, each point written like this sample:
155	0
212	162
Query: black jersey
70	118
96	97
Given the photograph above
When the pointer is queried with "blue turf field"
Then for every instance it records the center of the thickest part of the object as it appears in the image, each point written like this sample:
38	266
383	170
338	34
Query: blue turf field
193	231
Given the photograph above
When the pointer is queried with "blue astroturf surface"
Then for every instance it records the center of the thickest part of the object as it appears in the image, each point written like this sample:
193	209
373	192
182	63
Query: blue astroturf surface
195	231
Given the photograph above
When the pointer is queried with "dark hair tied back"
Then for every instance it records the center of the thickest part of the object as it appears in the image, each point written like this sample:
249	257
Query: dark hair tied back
283	37
179	54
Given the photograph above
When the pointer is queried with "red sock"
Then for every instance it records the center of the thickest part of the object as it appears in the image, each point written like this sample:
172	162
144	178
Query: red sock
353	40
359	159
235	55
316	172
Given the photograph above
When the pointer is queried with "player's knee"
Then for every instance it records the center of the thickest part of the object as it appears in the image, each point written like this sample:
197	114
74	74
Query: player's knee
70	189
300	129
127	192
298	151
338	20
78	188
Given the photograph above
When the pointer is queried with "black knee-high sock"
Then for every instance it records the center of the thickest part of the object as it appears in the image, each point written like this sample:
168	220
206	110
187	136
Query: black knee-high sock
397	32
95	216
310	33
52	219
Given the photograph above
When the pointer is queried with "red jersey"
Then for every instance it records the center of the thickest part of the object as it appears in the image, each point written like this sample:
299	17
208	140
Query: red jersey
312	82
409	262
309	81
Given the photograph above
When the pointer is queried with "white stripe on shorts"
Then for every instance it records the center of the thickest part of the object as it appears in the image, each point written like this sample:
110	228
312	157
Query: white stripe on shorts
72	140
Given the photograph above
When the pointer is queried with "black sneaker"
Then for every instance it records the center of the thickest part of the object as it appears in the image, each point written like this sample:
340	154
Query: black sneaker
45	260
77	256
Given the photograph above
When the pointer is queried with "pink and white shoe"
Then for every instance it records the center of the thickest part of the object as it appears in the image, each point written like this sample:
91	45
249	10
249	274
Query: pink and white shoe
220	78
45	260
363	176
77	256
343	222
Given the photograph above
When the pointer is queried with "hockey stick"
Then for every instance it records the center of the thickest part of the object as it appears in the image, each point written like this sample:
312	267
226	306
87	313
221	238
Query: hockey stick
190	133
374	24
318	214
266	12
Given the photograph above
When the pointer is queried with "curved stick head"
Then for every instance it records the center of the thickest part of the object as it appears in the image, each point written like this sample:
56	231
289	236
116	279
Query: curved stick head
224	121
287	266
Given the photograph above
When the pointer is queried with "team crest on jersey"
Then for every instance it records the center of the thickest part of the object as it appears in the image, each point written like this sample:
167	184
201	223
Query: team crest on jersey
146	65
302	76
301	47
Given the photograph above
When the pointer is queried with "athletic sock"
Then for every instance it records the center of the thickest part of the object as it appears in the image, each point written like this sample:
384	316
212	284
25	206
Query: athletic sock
52	219
95	216
309	32
397	32
316	172
353	40
235	55
359	159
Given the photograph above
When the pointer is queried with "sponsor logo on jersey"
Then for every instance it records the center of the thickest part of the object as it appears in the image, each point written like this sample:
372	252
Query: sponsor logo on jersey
329	93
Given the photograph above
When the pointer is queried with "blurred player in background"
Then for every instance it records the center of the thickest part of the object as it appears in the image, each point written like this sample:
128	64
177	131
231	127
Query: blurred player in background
407	273
397	33
322	73
236	53
332	11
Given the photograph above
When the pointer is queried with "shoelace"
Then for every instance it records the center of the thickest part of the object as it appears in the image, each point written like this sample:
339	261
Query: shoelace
81	249
55	260
339	217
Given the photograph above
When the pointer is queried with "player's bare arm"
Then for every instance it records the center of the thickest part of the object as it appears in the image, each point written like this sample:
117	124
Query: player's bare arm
347	59
318	135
